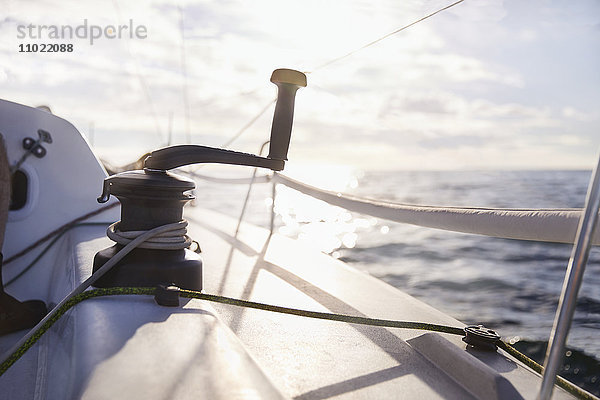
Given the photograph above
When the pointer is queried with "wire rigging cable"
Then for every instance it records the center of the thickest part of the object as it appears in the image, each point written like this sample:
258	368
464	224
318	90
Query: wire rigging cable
326	64
249	123
142	79
381	38
186	99
193	169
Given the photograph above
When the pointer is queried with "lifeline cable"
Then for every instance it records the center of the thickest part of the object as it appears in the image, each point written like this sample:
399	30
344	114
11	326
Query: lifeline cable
66	305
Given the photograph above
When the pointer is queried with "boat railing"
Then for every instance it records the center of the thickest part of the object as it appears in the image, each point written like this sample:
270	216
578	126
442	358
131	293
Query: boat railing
571	285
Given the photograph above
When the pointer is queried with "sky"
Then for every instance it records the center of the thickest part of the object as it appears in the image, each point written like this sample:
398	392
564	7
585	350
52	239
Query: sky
483	85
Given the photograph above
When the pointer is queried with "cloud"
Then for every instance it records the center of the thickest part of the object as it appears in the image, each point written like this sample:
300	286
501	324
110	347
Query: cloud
573	113
464	87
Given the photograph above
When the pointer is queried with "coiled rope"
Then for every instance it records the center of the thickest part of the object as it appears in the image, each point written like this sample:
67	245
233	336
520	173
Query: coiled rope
69	303
172	239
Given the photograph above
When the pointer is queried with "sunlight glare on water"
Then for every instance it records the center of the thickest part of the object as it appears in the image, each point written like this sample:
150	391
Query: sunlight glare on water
314	221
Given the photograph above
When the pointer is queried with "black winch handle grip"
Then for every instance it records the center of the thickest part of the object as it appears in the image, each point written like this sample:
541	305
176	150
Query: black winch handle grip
288	81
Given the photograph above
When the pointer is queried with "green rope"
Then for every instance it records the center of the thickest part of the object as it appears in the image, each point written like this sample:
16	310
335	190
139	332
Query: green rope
18	353
321	315
560	381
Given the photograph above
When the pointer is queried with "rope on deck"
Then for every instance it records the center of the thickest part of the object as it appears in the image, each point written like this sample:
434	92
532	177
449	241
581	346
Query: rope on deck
89	294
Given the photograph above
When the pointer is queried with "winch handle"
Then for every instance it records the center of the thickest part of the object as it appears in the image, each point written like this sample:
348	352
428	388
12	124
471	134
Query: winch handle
288	81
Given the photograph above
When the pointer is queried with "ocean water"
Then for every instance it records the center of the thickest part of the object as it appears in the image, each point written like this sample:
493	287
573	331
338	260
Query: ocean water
508	285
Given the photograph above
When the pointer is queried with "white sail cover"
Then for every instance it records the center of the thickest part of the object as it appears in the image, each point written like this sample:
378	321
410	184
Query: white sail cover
544	225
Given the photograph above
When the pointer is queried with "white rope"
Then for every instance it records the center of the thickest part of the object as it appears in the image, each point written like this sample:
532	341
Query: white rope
544	225
173	239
